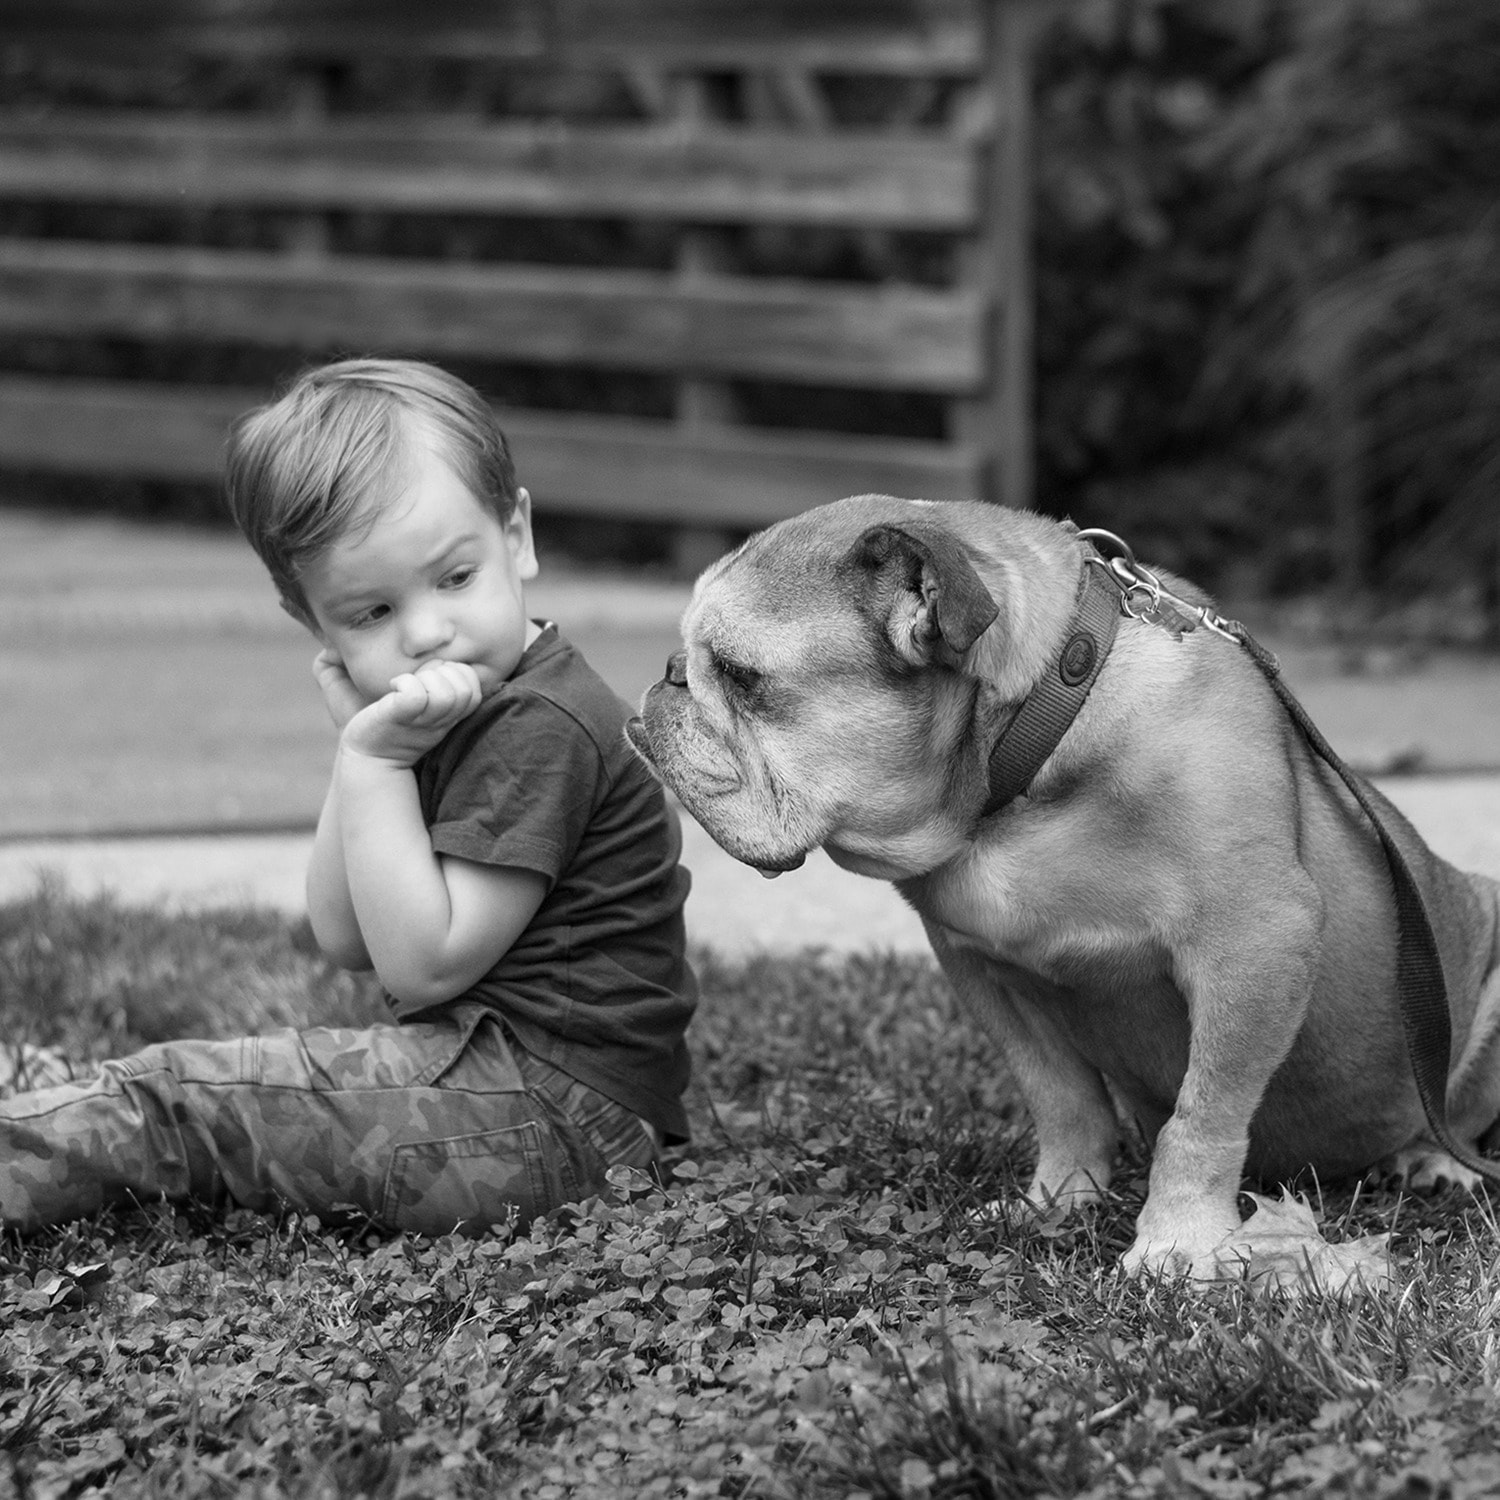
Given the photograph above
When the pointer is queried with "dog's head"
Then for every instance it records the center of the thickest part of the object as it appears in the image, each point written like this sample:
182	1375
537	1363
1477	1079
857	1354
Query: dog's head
821	696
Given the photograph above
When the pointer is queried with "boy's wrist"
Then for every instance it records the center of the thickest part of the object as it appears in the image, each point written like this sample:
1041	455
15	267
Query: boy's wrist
373	735
363	759
415	715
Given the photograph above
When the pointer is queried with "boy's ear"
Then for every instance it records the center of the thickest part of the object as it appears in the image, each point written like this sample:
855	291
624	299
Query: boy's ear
519	527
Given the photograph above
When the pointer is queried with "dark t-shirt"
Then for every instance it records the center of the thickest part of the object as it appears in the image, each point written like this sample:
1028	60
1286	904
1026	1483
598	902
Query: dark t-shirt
540	776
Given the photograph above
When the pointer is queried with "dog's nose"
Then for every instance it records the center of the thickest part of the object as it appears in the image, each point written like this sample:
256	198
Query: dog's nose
676	673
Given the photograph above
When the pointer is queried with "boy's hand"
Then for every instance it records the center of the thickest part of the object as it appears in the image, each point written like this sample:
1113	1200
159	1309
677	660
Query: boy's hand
421	707
340	696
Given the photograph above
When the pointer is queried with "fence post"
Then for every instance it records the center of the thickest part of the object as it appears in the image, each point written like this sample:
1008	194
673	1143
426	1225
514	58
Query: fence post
998	262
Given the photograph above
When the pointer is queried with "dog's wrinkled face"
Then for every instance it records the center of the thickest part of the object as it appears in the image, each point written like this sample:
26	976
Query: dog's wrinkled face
816	701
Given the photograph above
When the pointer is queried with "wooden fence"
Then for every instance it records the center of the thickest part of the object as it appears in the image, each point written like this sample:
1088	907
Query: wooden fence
832	200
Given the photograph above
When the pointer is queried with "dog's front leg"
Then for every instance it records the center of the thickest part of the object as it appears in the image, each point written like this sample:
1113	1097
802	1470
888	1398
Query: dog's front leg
1077	1130
1247	998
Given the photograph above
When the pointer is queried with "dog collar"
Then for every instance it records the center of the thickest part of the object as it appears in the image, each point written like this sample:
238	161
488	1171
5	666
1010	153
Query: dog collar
1048	711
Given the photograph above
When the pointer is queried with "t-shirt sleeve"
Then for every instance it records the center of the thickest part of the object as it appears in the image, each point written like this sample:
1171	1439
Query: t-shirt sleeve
522	792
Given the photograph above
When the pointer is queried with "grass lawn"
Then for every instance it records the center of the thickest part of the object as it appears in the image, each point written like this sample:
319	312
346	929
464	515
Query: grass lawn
810	1307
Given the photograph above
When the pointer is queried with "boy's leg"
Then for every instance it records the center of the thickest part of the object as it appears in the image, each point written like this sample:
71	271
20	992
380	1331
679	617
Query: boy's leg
427	1126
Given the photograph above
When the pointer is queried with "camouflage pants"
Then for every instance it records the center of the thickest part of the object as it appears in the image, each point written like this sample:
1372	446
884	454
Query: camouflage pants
430	1126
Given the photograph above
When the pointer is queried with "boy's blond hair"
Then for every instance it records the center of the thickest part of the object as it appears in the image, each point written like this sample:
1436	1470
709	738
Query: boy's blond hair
319	461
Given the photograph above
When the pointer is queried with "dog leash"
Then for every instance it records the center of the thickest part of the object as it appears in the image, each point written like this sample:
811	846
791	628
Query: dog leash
1111	572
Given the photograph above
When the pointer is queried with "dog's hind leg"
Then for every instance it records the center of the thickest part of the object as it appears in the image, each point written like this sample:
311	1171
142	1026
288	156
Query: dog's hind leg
1077	1129
1425	1167
1473	1103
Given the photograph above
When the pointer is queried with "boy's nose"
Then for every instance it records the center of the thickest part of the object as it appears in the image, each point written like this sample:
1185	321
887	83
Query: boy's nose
426	631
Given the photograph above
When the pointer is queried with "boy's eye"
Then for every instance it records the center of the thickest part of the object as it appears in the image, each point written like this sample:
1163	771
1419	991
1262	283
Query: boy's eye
459	576
371	616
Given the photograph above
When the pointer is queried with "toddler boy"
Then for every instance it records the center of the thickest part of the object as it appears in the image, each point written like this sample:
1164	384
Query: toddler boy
489	845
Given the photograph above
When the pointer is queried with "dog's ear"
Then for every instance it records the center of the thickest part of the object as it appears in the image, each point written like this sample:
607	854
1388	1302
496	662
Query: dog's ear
923	582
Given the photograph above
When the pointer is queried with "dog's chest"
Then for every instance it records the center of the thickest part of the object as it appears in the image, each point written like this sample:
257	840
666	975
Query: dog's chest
1086	962
1066	917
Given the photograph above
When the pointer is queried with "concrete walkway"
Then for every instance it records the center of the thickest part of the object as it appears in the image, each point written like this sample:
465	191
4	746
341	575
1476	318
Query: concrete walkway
732	908
151	685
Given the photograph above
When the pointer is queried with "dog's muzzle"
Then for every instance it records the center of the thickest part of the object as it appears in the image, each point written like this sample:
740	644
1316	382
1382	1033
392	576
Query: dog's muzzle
635	727
676	676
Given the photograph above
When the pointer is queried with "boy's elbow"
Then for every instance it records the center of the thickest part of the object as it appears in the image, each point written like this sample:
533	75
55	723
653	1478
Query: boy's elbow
416	980
419	991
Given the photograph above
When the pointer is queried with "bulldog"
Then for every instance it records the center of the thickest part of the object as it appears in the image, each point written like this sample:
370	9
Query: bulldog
1171	914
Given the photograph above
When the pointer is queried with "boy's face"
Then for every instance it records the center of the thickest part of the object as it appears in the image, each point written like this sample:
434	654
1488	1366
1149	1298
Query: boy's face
434	577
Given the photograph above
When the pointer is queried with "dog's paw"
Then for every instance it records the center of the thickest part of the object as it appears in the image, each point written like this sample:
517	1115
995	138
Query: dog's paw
1066	1190
1185	1245
1425	1167
1192	1261
1039	1203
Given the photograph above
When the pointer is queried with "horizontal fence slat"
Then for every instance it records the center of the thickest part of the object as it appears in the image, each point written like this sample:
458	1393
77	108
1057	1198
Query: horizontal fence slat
892	337
728	476
692	171
602	465
884	35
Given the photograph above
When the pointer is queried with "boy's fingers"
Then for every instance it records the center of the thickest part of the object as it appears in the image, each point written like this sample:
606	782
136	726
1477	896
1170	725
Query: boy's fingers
452	686
466	689
459	673
409	697
422	699
434	697
327	665
342	699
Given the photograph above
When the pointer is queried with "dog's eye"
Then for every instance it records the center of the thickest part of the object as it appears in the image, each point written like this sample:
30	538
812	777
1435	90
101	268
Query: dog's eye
740	677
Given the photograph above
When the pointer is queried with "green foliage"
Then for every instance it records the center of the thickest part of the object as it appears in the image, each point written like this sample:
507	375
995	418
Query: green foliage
1269	296
1370	278
813	1305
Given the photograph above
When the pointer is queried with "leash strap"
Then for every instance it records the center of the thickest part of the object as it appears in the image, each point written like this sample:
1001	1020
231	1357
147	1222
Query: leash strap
1043	719
1422	989
1115	584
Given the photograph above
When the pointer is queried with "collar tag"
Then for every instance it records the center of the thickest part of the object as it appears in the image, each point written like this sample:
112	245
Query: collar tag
1076	664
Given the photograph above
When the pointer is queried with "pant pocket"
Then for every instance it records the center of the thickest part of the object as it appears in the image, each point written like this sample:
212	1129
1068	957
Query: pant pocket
466	1183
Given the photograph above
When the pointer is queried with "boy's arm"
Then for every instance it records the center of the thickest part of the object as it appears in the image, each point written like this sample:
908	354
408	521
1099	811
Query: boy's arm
432	924
329	907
